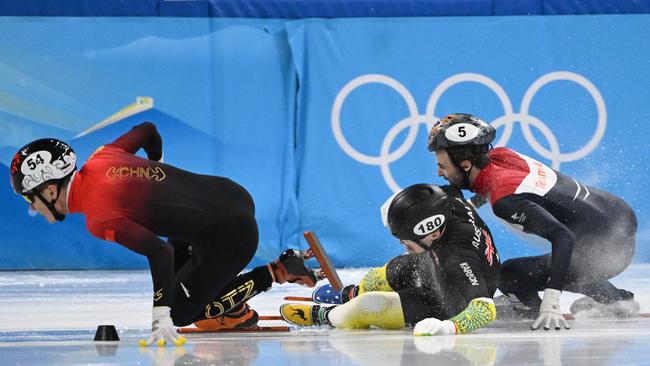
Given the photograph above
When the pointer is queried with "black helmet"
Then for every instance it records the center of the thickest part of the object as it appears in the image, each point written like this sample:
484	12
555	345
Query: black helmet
460	129
40	161
417	211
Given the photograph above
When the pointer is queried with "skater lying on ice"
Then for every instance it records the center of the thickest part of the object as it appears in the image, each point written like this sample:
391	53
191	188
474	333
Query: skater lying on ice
444	285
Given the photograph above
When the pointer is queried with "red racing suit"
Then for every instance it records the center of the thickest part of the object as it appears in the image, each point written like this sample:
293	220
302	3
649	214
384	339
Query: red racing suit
133	201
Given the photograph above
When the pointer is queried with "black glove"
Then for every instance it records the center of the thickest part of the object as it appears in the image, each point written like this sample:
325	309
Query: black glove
290	267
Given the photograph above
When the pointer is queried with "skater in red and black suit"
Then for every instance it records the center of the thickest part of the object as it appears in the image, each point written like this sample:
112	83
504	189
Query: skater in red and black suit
592	232
209	220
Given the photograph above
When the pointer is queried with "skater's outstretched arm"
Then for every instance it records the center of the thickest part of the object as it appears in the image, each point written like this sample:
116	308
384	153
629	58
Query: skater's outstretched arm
159	254
479	313
463	271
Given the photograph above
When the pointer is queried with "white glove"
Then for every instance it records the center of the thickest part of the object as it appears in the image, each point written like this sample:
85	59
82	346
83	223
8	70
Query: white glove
162	329
434	345
433	326
549	311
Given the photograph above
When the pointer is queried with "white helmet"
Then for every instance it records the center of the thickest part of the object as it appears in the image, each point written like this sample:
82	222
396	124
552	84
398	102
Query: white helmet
41	161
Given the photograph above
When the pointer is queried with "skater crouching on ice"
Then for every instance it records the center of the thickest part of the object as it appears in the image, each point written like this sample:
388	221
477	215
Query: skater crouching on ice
443	286
209	220
592	232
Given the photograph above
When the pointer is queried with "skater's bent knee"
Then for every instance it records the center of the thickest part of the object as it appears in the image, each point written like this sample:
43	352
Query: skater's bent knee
382	309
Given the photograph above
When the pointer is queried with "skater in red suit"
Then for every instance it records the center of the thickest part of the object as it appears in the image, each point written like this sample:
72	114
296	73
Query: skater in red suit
592	232
209	220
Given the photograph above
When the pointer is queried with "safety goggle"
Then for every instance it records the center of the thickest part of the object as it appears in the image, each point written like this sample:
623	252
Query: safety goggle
29	197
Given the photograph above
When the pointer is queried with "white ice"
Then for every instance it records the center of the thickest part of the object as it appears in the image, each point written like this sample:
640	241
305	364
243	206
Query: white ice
49	318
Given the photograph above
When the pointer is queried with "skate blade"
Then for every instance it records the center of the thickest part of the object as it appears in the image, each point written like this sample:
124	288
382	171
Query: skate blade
573	317
298	298
256	329
270	317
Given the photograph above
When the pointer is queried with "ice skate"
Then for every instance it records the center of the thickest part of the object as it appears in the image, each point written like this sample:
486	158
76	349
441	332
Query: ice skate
509	308
326	294
242	318
626	307
304	315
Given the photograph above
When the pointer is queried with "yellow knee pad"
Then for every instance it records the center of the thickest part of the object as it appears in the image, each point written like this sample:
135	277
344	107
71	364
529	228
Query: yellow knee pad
380	309
375	280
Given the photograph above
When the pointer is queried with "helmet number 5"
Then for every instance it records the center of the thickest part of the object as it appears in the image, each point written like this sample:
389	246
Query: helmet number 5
461	131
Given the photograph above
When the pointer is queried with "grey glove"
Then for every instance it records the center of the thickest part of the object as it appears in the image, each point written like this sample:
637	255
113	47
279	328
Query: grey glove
550	312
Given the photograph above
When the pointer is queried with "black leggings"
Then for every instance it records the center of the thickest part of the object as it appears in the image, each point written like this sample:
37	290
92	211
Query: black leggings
422	288
597	257
206	269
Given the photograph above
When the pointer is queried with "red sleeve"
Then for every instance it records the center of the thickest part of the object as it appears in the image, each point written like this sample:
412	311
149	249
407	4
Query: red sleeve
143	136
140	240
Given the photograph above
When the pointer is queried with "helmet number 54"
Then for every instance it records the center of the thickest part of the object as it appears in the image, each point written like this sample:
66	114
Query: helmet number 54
33	162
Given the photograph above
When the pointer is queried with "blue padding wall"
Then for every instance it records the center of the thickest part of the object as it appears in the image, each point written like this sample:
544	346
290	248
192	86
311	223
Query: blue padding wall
223	98
294	9
322	119
375	87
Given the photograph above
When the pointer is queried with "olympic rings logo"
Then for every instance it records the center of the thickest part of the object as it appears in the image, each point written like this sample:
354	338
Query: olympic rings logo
507	120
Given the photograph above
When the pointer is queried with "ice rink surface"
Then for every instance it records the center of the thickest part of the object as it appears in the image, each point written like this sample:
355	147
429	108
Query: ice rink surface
49	318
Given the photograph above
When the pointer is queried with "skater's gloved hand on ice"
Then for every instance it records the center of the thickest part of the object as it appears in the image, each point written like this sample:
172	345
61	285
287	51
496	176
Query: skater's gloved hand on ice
166	356
550	313
433	326
290	267
434	345
162	329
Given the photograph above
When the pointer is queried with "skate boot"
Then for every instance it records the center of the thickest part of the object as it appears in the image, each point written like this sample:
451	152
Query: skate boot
625	306
241	318
290	267
327	295
510	308
305	315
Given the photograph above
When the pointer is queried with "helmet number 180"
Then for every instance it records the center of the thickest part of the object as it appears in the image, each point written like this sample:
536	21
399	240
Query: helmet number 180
429	225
